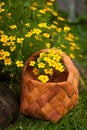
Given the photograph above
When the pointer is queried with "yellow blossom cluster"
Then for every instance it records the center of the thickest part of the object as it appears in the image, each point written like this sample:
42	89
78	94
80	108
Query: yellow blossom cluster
13	27
19	63
1	9
10	43
46	64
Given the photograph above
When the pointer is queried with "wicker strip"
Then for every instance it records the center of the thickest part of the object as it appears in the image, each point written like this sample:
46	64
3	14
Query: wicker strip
51	100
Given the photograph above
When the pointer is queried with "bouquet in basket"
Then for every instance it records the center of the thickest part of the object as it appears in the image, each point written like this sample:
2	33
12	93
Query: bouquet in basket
48	63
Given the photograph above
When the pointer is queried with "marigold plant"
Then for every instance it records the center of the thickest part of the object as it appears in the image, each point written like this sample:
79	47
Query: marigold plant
28	27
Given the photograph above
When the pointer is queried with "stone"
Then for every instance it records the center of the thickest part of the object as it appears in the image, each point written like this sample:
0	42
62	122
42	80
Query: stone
8	106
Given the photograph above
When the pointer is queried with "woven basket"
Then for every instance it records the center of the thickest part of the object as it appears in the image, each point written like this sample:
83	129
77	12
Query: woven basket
51	100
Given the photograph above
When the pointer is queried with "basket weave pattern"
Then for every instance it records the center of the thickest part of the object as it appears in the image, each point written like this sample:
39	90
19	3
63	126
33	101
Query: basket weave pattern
51	100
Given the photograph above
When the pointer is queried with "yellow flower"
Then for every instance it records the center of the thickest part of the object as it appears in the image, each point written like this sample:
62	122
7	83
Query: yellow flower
37	31
4	38
1	32
59	67
51	52
41	65
53	26
42	25
48	71
12	38
11	43
42	54
73	44
32	63
42	11
1	10
51	63
37	37
66	29
20	40
43	78
55	22
59	51
9	15
72	48
48	9
34	4
61	19
47	59
72	55
62	45
48	45
29	34
35	71
1	4
54	13
6	44
7	61
69	37
27	24
19	63
32	8
49	3
59	30
2	54
12	48
46	35
56	57
52	0
13	27
6	53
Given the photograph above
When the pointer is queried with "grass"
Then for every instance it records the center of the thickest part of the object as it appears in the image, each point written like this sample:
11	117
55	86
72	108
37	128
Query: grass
80	30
